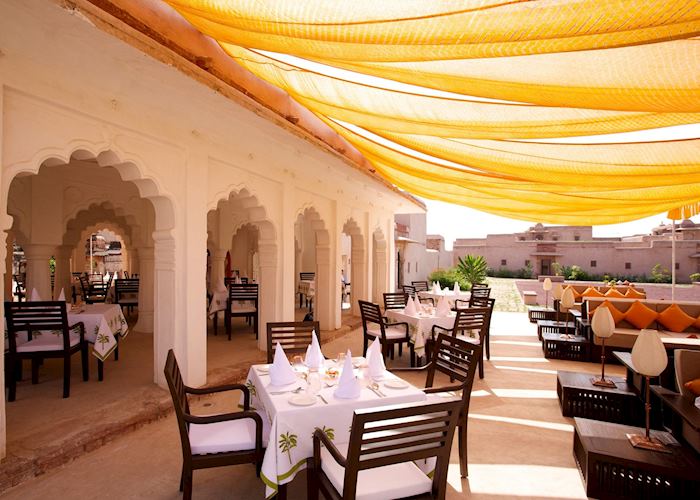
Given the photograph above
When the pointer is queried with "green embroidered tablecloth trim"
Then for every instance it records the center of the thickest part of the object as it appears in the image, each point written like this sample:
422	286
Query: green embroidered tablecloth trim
281	477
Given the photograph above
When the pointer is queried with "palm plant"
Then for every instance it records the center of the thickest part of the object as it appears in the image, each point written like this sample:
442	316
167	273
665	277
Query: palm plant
472	268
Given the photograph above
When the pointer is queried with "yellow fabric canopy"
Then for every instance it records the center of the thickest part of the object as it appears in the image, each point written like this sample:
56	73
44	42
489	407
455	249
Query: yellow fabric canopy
451	100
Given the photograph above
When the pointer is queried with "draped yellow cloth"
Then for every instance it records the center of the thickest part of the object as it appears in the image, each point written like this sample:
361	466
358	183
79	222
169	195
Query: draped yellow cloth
441	96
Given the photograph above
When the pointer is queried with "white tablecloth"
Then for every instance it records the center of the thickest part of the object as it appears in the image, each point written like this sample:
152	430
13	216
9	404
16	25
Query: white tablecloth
103	323
307	287
450	296
218	302
292	427
420	325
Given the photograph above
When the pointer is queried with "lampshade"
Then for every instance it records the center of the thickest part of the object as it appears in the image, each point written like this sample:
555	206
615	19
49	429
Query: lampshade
547	284
567	298
649	354
558	290
602	323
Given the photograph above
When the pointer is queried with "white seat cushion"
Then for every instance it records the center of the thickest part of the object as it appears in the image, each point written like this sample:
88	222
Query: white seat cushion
391	481
220	437
48	341
473	340
235	309
392	332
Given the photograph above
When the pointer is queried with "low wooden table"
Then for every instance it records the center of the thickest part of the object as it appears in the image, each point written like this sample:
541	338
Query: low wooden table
680	415
578	397
612	468
573	347
550	326
536	313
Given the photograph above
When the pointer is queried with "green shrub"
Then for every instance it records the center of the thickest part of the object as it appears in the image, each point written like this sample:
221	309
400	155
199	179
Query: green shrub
448	277
695	277
472	268
660	274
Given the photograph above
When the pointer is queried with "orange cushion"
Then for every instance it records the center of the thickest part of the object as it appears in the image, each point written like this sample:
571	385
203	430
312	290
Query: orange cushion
697	323
591	292
634	294
577	295
693	386
640	315
613	293
675	319
616	314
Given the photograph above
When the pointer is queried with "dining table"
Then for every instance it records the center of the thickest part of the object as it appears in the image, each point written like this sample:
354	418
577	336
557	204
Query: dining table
420	324
291	426
104	326
450	295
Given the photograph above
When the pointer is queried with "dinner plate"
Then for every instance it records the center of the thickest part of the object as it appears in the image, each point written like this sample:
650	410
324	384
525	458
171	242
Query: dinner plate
263	369
302	400
395	383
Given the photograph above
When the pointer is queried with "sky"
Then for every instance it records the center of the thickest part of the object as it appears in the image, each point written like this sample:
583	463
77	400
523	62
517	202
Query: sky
456	221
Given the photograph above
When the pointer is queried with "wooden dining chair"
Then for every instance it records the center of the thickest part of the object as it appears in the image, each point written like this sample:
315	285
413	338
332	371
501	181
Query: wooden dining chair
20	287
481	292
489	304
45	324
420	286
457	359
395	300
126	293
242	303
467	321
294	337
379	460
93	292
412	292
214	440
376	326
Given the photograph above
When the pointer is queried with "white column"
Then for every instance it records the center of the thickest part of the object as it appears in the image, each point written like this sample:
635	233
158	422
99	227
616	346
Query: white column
218	258
159	274
62	276
290	264
133	261
325	289
267	290
359	271
38	274
146	275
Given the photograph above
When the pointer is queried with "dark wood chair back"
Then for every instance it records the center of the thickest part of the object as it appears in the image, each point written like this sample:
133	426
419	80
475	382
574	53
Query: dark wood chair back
482	293
455	358
243	292
96	278
124	286
479	285
380	437
29	317
471	318
410	290
294	337
370	313
179	395
241	281
395	300
20	286
307	276
420	286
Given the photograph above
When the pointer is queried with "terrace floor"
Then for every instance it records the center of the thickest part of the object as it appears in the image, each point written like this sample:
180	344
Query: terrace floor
519	444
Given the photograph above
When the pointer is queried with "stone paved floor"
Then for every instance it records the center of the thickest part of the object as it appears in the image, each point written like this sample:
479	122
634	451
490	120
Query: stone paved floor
507	296
519	444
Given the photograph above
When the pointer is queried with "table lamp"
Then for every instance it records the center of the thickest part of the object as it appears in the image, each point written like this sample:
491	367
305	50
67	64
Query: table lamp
603	326
566	303
556	295
547	287
649	359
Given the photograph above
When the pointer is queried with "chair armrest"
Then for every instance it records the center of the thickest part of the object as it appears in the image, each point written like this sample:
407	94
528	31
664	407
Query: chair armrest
409	369
81	328
320	436
401	323
445	388
223	417
438	327
223	388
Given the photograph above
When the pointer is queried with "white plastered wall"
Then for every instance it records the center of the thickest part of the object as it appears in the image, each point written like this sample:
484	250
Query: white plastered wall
72	93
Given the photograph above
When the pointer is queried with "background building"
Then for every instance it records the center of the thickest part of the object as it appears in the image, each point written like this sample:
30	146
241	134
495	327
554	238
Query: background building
541	246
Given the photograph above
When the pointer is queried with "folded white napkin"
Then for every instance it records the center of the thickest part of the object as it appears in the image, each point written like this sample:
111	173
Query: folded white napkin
410	308
314	357
436	287
697	402
443	308
375	360
348	385
35	296
456	288
281	372
220	285
446	290
62	296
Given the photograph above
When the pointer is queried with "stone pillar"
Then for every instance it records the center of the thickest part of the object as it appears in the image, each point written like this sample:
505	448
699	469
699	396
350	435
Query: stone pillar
359	270
63	276
218	258
325	288
133	261
146	271
8	266
38	274
267	290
